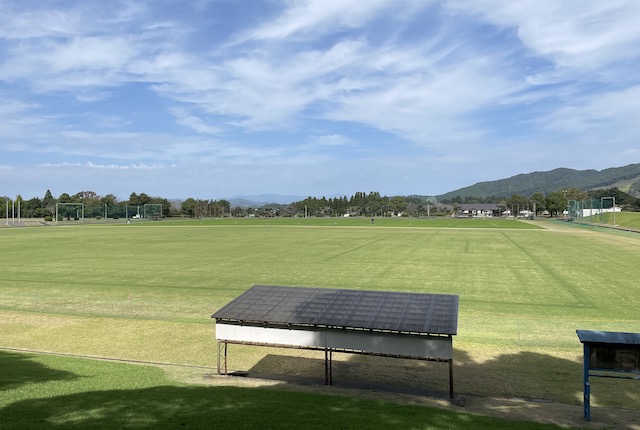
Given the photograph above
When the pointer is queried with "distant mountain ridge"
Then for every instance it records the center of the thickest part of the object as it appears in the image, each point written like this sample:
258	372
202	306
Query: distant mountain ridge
626	178
260	200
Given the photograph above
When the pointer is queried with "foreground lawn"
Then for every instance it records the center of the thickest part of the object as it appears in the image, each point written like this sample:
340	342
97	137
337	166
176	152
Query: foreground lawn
38	391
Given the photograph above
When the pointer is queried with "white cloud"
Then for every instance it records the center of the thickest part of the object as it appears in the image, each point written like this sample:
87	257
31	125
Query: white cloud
21	22
320	16
91	165
332	140
185	118
593	118
433	109
589	34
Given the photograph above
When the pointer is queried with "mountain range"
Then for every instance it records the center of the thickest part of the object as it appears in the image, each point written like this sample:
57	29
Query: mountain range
261	200
626	178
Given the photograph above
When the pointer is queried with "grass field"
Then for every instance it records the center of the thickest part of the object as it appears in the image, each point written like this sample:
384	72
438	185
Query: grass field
146	292
624	219
55	392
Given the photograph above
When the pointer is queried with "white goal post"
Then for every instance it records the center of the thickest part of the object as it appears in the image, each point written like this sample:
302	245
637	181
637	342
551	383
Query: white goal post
79	210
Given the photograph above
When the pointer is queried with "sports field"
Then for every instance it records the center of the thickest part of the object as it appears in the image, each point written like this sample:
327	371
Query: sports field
146	291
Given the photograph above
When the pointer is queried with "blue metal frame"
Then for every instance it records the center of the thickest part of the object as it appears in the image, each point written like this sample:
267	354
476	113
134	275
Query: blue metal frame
587	385
613	340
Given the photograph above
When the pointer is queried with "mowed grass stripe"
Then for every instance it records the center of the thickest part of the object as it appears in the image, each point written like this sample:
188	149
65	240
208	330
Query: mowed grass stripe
554	277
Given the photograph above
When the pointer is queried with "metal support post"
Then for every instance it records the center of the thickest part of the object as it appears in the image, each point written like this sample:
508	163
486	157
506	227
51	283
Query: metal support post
222	345
328	367
587	386
451	396
218	357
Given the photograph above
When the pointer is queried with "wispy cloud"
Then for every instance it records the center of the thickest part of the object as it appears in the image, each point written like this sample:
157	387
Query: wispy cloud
211	84
320	16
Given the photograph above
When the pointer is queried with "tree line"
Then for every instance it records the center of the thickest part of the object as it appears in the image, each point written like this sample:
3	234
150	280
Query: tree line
359	204
554	202
95	206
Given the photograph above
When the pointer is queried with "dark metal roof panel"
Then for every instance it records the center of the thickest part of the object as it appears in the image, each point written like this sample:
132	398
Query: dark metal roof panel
610	337
356	309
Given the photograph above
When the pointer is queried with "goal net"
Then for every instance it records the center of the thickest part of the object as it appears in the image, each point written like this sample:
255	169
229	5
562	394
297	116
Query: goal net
70	212
591	211
152	211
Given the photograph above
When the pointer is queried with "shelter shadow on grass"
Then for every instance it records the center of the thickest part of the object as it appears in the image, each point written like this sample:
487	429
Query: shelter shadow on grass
543	377
17	369
526	375
358	371
229	407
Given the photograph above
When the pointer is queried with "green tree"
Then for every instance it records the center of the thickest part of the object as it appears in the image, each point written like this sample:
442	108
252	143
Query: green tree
32	208
539	201
109	200
517	203
224	207
48	202
398	204
623	199
574	194
188	207
141	199
555	202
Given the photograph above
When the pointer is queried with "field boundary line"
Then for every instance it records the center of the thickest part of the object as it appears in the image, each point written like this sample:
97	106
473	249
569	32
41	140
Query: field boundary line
95	357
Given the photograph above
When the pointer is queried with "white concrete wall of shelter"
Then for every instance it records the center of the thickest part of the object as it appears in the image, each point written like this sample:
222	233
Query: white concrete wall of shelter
397	344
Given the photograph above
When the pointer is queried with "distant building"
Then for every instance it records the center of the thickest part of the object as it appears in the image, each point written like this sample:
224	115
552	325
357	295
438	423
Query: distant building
597	211
480	210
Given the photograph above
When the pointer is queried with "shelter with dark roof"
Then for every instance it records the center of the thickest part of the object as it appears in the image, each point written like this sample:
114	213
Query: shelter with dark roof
393	324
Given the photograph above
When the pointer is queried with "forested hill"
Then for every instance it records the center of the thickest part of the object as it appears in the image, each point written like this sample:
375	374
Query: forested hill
625	178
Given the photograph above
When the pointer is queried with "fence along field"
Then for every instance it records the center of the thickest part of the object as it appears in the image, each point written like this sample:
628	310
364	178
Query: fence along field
146	292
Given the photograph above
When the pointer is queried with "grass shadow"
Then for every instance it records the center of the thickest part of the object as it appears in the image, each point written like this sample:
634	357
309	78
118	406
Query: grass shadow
18	369
358	371
229	408
115	395
534	378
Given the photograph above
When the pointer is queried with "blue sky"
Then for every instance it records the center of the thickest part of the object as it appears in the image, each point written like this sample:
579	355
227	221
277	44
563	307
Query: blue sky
213	99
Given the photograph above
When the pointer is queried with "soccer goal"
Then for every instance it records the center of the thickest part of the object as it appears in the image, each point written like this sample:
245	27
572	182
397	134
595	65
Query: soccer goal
70	211
152	211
